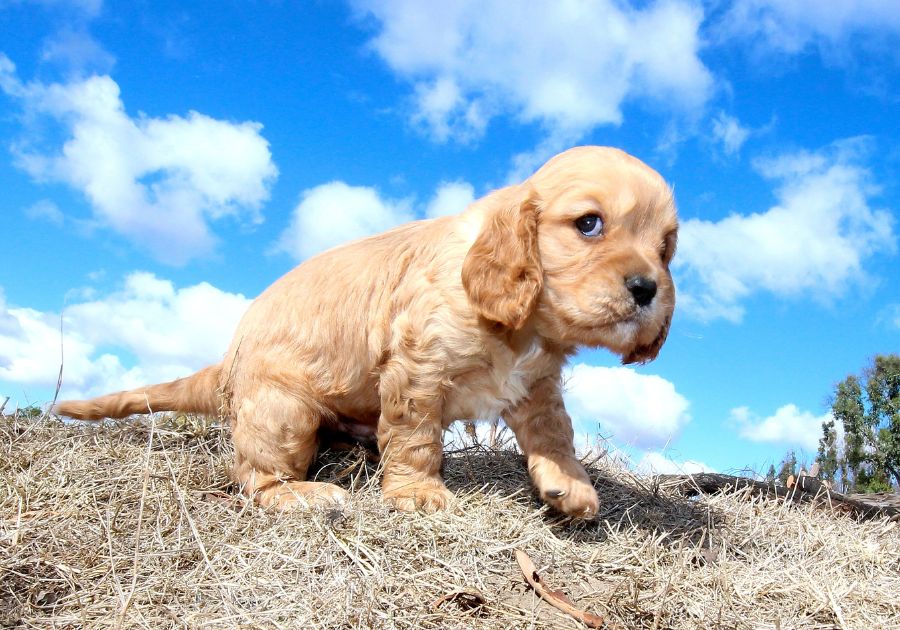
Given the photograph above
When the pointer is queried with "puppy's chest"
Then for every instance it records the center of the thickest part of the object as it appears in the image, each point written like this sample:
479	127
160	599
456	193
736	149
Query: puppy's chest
484	393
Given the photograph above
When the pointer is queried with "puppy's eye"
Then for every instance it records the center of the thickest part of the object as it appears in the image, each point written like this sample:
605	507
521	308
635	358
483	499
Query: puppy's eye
589	225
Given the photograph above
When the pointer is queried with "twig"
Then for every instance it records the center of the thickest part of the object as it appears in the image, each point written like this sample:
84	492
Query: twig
62	362
558	599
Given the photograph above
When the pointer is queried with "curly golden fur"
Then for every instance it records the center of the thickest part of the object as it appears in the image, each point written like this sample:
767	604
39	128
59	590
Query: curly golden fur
468	316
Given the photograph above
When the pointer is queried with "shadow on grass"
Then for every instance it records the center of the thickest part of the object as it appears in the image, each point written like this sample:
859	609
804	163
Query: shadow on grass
626	500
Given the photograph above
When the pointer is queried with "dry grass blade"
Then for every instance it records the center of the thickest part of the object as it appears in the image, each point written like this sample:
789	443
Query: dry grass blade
140	521
102	526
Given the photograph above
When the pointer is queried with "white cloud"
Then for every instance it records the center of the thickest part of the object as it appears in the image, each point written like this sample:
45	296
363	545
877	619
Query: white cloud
442	110
638	409
75	49
728	131
656	463
164	331
790	27
336	212
450	198
157	181
333	213
568	66
788	426
890	315
812	243
45	210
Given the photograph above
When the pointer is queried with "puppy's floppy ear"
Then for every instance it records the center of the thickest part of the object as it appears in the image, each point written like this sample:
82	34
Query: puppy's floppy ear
645	354
502	272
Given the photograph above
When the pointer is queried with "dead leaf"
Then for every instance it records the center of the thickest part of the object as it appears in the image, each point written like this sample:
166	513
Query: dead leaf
558	599
45	599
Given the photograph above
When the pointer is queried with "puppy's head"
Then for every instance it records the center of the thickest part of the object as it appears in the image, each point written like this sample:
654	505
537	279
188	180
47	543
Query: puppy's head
583	247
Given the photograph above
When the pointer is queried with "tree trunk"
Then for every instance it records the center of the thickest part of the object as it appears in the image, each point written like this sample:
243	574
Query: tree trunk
804	489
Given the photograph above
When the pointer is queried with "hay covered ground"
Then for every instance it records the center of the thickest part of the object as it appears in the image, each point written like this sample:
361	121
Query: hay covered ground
102	526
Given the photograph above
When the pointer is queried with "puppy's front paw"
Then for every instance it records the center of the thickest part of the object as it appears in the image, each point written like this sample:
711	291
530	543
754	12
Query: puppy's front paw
565	487
306	494
428	496
573	497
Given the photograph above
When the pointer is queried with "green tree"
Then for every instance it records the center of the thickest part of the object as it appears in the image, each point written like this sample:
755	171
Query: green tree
788	467
770	476
883	392
868	408
828	454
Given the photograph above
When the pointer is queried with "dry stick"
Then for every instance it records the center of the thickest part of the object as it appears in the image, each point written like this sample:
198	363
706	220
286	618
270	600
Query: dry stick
804	488
109	544
558	599
140	521
836	608
3	406
61	362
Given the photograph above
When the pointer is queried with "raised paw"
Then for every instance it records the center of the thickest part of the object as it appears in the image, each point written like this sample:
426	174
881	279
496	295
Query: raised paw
565	487
427	496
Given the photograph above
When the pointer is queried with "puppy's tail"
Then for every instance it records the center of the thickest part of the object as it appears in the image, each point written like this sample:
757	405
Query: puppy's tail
198	393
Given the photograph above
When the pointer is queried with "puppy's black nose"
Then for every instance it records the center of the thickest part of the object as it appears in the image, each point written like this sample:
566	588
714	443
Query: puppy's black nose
642	288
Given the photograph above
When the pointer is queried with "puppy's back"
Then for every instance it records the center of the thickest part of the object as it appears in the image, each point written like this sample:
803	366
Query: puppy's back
326	324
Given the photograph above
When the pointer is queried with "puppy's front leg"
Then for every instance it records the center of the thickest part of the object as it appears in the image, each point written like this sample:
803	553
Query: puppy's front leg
409	438
544	431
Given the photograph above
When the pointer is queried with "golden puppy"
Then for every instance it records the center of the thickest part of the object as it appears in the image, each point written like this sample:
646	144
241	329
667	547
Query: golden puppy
468	316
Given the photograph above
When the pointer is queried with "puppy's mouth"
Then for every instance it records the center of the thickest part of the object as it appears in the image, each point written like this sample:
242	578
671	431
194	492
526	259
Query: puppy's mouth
620	332
624	329
611	321
624	314
627	330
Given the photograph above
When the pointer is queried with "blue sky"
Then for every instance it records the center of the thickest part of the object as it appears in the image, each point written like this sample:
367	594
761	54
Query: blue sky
162	163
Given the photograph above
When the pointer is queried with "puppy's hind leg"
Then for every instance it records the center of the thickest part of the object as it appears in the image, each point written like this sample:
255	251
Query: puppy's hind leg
275	441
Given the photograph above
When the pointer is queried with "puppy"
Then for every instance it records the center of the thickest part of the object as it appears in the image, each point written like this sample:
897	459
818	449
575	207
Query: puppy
464	317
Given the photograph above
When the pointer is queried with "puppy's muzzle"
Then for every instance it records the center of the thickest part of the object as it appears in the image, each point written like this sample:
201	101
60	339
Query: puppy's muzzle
642	288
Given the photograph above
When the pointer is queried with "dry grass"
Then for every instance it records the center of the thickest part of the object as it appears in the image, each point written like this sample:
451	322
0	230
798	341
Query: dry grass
102	526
